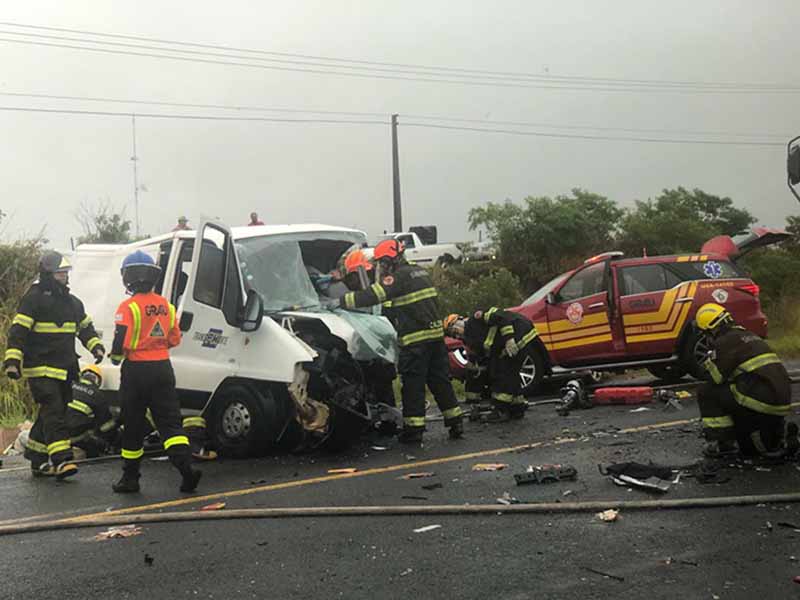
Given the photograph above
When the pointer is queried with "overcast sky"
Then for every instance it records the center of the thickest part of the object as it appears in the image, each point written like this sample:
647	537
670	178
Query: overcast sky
341	173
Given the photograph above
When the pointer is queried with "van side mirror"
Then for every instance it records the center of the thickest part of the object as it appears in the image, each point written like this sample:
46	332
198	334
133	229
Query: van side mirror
185	324
550	298
253	312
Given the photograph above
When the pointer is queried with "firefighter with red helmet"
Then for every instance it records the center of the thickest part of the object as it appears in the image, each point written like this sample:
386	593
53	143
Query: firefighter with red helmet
41	347
146	329
744	407
497	340
408	293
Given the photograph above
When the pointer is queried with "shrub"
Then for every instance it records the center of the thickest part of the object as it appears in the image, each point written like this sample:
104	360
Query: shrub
463	288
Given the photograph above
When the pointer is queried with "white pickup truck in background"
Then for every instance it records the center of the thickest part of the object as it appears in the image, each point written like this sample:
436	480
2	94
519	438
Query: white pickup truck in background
426	255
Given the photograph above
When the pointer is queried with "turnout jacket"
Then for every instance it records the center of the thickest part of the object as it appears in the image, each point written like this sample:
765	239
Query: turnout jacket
42	335
146	328
412	303
486	332
88	410
754	373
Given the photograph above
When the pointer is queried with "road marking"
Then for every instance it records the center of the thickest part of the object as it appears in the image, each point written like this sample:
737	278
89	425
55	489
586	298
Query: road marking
376	471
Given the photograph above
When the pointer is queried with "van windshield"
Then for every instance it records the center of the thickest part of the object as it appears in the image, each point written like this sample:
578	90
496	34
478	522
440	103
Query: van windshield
292	271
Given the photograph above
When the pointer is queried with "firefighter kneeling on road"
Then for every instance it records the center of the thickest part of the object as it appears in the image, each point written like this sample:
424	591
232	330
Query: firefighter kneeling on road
41	347
410	299
146	329
751	391
88	419
498	341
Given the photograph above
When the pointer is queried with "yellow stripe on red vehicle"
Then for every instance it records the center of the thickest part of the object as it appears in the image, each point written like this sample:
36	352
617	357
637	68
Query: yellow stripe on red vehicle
662	314
587	341
669	325
672	334
571	335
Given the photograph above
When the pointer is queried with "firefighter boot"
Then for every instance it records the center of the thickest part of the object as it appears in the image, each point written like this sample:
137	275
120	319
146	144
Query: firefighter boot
65	469
792	441
128	484
721	449
456	428
190	479
411	435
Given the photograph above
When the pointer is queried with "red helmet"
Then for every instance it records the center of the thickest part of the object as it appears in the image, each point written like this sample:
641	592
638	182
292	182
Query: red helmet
356	259
388	249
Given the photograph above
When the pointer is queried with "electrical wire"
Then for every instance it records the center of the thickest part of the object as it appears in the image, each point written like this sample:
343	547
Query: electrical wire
382	76
447	69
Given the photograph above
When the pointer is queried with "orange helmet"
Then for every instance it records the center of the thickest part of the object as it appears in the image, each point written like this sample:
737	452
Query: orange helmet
355	259
388	249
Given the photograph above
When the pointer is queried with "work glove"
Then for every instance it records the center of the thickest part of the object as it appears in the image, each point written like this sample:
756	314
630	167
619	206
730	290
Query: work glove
512	348
12	372
99	354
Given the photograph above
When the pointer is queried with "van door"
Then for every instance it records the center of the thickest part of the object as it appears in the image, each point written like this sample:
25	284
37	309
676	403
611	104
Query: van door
578	327
207	290
655	303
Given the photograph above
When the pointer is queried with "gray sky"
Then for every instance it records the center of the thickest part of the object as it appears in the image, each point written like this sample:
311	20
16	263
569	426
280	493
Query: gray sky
341	174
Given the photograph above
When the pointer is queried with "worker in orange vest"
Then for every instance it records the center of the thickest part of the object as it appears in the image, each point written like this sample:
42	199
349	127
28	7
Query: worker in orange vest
146	329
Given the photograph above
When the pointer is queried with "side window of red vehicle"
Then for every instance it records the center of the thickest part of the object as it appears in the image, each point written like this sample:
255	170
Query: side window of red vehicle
641	279
587	282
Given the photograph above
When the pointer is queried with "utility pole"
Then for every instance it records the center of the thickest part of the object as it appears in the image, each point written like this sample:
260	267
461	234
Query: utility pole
134	159
398	210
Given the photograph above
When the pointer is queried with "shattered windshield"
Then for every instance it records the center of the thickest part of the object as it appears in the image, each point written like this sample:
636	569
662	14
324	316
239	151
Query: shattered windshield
281	267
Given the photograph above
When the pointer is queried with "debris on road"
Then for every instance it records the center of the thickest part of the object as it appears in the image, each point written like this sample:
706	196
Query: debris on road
789	526
640	409
507	499
421	475
214	506
604	574
120	531
546	474
489	466
406	572
648	477
413	497
148	560
379	448
342	471
608	516
433	486
427	528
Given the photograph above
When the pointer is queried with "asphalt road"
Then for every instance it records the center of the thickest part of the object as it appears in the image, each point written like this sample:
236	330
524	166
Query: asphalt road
697	553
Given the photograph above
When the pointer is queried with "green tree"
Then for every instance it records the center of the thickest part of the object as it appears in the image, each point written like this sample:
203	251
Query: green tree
680	221
102	225
545	236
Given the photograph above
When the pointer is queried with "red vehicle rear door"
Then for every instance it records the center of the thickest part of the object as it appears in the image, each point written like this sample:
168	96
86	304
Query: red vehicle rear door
578	329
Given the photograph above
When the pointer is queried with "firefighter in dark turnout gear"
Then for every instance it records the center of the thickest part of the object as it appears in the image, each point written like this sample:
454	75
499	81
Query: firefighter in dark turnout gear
408	294
41	347
146	329
751	392
88	418
497	341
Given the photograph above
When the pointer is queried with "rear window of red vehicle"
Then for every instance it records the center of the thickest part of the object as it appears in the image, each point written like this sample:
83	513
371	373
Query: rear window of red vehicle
655	277
710	269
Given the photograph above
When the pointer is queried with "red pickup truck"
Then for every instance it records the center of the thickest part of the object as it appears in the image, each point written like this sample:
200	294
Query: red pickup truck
613	313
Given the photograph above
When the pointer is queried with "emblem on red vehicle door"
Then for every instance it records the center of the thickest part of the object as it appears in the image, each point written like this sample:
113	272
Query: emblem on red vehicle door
720	295
575	313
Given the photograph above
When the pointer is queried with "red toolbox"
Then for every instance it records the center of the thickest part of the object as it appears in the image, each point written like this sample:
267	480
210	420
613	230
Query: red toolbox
623	395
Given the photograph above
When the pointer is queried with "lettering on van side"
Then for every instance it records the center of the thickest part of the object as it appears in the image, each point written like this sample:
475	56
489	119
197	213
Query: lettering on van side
211	339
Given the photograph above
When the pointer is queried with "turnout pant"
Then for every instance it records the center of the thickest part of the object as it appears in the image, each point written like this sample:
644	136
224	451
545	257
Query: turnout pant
504	382
421	365
724	419
151	384
49	434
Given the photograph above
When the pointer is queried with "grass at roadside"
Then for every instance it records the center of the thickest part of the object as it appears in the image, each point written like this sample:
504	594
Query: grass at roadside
786	345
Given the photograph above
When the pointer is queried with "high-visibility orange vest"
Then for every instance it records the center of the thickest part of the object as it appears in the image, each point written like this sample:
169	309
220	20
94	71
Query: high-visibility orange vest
152	327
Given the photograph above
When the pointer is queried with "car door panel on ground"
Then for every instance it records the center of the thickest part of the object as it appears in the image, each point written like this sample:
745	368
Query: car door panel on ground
578	327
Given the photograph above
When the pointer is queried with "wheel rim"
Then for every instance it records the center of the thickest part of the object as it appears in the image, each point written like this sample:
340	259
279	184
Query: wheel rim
701	348
236	421
527	372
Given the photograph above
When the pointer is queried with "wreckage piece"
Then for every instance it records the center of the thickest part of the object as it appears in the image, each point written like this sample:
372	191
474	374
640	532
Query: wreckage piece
546	474
651	477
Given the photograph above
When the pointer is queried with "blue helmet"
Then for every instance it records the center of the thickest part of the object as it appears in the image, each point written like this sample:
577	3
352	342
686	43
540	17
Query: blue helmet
139	272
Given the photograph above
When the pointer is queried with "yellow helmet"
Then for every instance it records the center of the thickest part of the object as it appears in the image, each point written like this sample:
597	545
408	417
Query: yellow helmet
94	369
710	316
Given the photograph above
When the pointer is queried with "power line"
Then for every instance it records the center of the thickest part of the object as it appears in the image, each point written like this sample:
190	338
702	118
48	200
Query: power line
596	137
371	75
367	122
240	108
533	76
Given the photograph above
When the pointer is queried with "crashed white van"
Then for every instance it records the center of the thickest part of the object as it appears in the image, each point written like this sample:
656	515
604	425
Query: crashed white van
262	358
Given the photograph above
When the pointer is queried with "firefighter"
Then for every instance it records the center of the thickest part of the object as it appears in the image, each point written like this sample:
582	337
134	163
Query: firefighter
146	329
41	347
750	395
414	312
497	342
88	418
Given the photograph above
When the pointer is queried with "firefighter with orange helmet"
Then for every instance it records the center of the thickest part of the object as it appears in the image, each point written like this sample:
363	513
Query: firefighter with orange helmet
745	405
146	329
408	293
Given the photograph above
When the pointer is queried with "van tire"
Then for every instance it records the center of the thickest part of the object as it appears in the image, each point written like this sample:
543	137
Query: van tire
245	421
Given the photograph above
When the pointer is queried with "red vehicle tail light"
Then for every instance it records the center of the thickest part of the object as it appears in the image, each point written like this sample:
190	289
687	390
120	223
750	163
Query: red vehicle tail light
750	288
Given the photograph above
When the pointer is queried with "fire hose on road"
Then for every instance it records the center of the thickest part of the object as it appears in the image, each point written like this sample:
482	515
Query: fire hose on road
390	511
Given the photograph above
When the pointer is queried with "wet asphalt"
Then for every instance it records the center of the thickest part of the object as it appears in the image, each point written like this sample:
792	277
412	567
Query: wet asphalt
735	552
